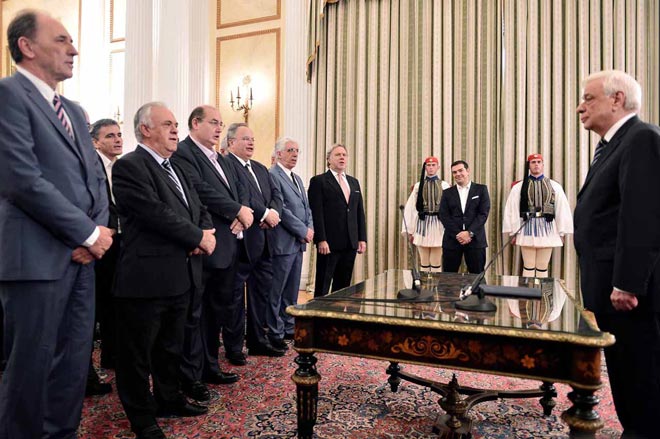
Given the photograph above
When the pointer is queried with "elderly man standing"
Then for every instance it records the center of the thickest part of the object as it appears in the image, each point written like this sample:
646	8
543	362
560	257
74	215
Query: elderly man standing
53	211
226	200
254	259
290	240
617	239
166	231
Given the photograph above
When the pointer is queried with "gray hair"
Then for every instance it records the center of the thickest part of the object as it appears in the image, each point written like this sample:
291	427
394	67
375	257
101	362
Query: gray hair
101	123
332	148
281	144
223	144
615	81
143	117
231	131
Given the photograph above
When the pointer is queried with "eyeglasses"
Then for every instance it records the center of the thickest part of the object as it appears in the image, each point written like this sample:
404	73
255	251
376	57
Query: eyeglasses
215	123
247	139
291	150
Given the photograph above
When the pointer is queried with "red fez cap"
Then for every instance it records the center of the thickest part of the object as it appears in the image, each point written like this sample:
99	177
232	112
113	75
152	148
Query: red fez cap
534	157
431	160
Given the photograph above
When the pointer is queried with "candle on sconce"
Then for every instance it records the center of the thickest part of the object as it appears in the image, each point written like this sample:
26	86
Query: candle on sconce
238	92
250	93
231	96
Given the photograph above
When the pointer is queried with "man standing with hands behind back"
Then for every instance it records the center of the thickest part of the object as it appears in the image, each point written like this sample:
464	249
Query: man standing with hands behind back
464	210
340	231
617	239
52	207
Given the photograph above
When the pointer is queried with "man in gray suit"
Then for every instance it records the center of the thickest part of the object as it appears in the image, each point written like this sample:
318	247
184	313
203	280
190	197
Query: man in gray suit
52	204
289	241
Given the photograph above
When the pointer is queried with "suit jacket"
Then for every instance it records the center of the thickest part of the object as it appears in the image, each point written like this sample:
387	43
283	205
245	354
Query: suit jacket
52	192
473	219
222	201
158	229
289	236
268	197
617	237
341	224
113	219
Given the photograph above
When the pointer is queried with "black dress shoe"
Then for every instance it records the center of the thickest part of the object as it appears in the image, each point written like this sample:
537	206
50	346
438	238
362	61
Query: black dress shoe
196	390
151	432
182	409
220	378
236	358
266	350
96	388
279	344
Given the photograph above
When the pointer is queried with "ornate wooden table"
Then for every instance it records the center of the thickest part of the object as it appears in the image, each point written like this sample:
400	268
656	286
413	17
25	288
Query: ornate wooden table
552	339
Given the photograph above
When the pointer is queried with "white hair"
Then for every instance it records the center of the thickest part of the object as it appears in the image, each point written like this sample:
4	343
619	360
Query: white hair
615	81
281	143
143	117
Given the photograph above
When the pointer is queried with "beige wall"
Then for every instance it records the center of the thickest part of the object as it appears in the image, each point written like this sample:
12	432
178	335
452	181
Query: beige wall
67	11
248	41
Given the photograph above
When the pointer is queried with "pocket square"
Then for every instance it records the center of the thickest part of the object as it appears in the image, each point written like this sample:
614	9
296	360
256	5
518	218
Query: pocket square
475	197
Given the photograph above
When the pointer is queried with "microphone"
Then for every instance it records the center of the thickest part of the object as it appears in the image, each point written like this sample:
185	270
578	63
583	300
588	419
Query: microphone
416	293
481	303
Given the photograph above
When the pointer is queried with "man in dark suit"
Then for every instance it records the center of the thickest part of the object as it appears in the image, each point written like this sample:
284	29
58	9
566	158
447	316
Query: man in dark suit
106	135
53	211
216	184
165	231
290	240
464	210
617	239
254	257
339	222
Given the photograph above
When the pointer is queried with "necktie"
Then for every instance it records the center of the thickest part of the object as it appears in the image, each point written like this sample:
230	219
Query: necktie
295	183
170	172
599	150
344	186
214	160
61	115
247	166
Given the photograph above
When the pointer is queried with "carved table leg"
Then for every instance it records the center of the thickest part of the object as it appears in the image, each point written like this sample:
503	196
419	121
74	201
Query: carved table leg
393	371
547	401
307	393
581	416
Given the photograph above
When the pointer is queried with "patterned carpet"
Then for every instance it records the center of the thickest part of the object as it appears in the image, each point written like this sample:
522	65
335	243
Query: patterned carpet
355	401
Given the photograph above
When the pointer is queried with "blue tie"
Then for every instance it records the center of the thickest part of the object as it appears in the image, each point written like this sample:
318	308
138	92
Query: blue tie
599	150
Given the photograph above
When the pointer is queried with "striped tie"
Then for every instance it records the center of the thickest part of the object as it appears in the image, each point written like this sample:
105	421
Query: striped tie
61	114
599	150
170	172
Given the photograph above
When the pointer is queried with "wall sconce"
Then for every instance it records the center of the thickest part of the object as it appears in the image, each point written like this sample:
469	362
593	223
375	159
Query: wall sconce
118	117
247	103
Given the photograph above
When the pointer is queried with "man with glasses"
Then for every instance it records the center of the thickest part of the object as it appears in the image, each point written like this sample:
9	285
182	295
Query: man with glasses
254	258
226	200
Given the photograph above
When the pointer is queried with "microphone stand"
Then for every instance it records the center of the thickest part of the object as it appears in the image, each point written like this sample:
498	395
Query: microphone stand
478	301
416	293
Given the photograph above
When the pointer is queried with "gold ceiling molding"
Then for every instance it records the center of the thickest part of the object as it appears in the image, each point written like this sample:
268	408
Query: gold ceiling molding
240	22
